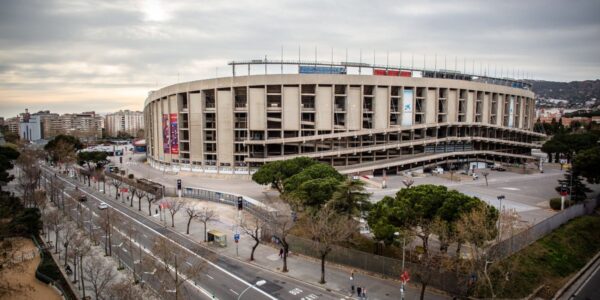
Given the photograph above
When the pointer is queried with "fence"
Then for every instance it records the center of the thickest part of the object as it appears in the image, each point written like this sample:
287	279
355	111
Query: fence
525	238
391	267
60	283
253	206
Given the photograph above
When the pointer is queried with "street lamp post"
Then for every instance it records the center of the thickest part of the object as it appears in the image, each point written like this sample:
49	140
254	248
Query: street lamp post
258	283
397	234
500	198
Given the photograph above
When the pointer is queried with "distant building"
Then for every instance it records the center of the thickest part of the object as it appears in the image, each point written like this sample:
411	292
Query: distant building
30	127
124	121
12	124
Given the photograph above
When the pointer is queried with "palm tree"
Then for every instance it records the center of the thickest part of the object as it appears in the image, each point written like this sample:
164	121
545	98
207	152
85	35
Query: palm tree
350	197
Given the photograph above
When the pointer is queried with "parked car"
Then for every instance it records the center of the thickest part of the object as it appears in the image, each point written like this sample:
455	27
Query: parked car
82	198
498	168
102	205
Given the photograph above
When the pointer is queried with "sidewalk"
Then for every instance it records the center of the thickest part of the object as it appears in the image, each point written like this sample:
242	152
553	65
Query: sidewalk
305	269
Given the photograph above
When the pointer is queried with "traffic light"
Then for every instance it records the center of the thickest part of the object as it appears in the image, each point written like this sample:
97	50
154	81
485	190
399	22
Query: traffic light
179	184
240	203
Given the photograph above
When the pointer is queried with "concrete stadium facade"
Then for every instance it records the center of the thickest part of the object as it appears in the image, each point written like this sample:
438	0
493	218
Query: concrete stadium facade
357	123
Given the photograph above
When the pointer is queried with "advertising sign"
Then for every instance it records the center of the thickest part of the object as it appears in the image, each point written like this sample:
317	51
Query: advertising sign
174	134
407	108
511	111
321	70
166	133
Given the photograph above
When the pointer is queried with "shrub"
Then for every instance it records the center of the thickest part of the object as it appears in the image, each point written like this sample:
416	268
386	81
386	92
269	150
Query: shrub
555	203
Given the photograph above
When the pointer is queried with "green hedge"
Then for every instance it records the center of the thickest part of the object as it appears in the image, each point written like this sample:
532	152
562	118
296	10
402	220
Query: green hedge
555	203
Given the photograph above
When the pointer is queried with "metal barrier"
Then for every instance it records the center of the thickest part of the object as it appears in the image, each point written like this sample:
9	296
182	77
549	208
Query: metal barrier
61	285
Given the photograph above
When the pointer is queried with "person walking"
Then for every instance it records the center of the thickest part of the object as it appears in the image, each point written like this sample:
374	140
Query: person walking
364	293
359	292
352	283
280	252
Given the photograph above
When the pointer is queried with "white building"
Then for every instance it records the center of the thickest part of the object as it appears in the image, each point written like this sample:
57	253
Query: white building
124	121
30	129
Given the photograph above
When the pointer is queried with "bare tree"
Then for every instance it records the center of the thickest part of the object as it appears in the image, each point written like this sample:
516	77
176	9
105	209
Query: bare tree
150	198
81	248
70	233
173	267
327	228
139	193
485	175
408	182
117	184
107	218
131	235
192	213
65	153
207	215
253	229
29	175
174	205
476	229
132	190
126	290
99	274
56	220
280	223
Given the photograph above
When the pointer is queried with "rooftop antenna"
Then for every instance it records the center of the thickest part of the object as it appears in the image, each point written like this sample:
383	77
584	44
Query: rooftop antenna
346	62
332	57
315	56
400	59
473	71
299	54
281	59
374	57
265	64
412	61
434	65
464	65
387	60
424	64
360	64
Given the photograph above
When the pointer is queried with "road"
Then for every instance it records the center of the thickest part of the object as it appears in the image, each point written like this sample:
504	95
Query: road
223	277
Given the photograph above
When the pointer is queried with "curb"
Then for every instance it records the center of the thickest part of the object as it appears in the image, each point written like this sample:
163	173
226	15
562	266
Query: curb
576	277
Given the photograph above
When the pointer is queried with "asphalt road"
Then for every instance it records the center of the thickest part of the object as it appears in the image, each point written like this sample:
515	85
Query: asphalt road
223	277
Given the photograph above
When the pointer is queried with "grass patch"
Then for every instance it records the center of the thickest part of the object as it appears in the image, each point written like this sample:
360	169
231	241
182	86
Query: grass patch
549	261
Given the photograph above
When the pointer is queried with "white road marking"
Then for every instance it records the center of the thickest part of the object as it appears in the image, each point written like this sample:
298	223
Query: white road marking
234	292
511	188
295	291
186	249
209	276
187	262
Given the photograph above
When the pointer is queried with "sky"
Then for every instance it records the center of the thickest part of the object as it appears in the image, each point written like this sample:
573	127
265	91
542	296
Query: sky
82	55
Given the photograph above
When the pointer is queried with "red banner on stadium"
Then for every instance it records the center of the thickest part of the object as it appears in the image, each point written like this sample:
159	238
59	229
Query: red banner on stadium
174	135
166	134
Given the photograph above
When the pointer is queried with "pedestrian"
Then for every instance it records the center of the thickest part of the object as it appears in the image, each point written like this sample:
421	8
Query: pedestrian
358	291
364	293
280	252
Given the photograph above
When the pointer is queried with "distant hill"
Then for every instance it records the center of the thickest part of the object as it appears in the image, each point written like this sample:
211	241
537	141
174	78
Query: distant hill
574	91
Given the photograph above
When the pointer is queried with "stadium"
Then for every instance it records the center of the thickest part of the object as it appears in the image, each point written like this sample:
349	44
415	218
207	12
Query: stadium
360	118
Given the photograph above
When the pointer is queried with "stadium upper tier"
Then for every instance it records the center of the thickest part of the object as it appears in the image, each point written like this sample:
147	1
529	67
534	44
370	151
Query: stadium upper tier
395	116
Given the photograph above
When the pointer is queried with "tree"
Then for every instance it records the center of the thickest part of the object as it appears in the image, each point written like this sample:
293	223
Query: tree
117	184
312	187
172	268
64	154
107	217
126	290
192	213
408	182
253	229
174	205
327	228
132	189
275	173
54	149
30	175
132	234
92	160
416	209
280	223
70	233
574	185
7	157
56	220
350	198
99	275
139	193
477	227
206	215
587	163
150	198
485	175
81	248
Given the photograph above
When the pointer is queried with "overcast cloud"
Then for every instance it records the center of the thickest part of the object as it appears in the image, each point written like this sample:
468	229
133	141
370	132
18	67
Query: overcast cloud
80	55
